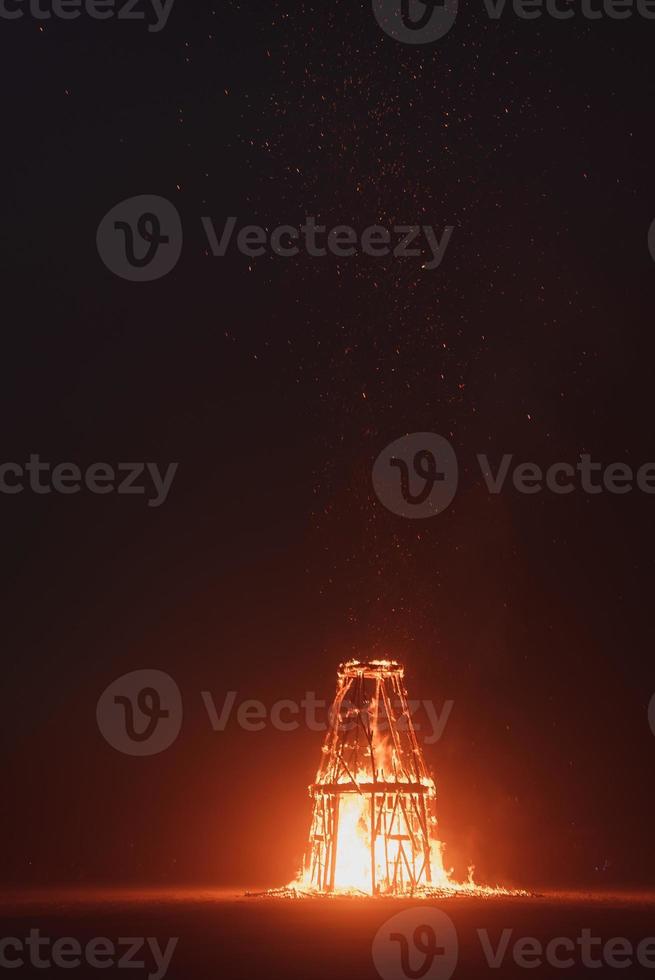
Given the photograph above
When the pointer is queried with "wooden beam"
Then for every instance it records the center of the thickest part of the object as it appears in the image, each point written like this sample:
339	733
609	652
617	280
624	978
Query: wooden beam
406	789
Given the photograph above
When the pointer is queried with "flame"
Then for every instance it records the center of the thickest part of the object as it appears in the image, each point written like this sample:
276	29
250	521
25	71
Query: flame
373	828
353	863
353	858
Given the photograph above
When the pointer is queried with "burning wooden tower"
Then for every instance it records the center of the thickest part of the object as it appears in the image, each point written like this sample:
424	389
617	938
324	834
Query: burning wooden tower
372	797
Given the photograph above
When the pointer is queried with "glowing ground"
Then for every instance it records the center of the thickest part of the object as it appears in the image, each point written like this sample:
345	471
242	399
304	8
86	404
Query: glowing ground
224	934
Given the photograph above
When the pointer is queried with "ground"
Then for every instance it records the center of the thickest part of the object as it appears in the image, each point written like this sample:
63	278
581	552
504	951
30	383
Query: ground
226	935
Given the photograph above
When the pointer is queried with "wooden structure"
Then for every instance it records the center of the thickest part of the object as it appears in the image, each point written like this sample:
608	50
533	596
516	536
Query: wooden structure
371	750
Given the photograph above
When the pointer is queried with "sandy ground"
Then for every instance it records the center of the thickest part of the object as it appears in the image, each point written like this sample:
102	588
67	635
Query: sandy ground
224	934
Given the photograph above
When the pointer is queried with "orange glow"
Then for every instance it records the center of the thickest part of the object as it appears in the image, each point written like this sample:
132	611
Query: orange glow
373	828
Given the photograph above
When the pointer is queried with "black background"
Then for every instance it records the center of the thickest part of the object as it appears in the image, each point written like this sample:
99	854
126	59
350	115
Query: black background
276	382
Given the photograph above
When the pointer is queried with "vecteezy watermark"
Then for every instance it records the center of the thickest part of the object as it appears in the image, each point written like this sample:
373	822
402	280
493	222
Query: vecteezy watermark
128	10
416	476
99	953
141	239
423	942
99	478
563	10
141	712
418	942
342	241
529	953
425	21
415	21
315	714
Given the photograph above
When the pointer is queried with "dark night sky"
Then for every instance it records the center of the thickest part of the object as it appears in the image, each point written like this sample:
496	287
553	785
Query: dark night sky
276	382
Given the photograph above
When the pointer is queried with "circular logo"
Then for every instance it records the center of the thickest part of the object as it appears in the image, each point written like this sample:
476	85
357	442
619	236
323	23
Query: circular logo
418	943
415	21
141	712
416	476
651	714
651	240
140	239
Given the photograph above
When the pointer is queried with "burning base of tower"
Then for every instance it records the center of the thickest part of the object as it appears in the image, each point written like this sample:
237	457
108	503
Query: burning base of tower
373	826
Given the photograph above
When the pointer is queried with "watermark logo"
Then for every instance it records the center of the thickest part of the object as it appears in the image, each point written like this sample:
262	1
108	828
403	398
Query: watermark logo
563	10
141	239
157	10
417	944
416	476
424	21
651	714
563	952
415	21
315	715
651	240
40	477
316	240
140	713
67	953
